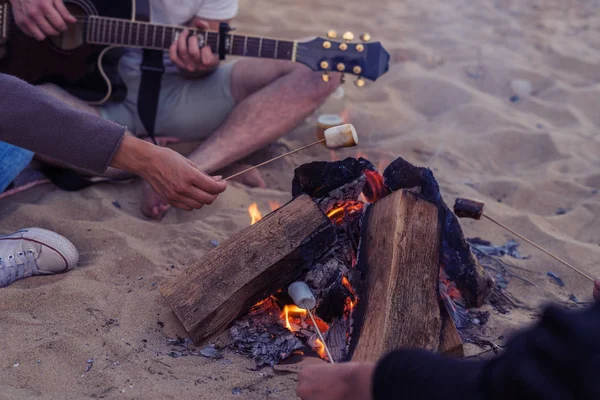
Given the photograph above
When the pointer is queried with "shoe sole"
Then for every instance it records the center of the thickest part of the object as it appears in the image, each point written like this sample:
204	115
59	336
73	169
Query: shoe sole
53	240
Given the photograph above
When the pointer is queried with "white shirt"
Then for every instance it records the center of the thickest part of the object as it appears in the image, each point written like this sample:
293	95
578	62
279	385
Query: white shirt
179	12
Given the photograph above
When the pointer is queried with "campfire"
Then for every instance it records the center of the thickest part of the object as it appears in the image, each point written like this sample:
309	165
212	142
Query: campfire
383	255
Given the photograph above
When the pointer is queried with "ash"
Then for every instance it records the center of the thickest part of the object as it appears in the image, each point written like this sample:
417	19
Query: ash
260	336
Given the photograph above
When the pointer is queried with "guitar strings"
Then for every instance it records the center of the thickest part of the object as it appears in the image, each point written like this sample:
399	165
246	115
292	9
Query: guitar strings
266	45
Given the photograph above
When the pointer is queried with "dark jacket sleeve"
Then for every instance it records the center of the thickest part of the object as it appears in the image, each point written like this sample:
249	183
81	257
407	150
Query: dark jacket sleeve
32	119
559	358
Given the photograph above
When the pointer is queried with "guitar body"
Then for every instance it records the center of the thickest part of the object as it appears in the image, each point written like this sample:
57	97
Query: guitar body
66	60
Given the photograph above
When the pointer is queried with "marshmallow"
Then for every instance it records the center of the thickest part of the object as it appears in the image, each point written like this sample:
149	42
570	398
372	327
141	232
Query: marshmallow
341	136
301	294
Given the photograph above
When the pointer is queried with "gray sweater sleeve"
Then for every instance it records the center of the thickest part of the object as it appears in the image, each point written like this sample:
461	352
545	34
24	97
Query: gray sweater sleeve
34	120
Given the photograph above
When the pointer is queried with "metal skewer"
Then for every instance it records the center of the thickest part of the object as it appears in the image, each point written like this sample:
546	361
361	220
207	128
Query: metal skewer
304	298
467	208
319	333
275	159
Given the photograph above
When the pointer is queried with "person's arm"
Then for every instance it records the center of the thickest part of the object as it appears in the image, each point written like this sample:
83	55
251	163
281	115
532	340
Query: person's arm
34	120
558	359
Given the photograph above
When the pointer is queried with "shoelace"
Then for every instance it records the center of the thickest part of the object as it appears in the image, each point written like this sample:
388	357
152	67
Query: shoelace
11	270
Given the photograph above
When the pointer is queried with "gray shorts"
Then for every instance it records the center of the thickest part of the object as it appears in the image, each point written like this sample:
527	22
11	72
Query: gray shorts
188	108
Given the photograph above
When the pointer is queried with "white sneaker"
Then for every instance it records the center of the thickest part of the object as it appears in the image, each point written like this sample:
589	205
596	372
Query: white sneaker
34	251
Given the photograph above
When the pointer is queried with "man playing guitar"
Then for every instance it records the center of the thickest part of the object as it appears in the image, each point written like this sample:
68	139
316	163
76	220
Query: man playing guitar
237	108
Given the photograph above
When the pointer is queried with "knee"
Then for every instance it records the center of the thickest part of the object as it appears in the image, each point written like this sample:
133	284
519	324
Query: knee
317	89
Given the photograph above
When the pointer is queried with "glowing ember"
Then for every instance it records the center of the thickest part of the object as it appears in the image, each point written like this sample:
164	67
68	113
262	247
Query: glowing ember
347	285
320	349
273	205
336	215
374	188
255	215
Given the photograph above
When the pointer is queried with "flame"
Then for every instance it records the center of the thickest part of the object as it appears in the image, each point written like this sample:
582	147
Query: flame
353	299
381	165
320	348
255	215
274	205
375	188
347	285
291	309
337	214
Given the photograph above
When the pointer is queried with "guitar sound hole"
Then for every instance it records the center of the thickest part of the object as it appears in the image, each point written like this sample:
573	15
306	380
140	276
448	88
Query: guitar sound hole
73	37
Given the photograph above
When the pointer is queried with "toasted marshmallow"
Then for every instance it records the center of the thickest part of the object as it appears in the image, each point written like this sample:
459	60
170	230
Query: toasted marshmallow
341	136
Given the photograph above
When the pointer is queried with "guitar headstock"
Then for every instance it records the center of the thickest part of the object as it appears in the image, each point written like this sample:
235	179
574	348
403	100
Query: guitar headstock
362	59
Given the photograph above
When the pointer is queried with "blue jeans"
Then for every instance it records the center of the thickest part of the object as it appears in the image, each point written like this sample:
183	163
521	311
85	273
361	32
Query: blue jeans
13	160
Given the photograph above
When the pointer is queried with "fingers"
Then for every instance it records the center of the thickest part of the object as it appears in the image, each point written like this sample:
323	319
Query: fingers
208	57
202	24
33	30
45	18
182	46
64	13
178	51
194	50
186	53
50	13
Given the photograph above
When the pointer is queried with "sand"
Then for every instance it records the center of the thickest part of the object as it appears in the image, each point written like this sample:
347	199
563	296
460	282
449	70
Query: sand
444	104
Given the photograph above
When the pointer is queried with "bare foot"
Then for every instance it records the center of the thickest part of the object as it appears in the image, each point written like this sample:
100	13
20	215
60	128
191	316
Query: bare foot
251	178
152	205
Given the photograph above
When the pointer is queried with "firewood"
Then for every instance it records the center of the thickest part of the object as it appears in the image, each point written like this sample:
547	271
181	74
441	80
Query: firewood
451	343
248	267
400	303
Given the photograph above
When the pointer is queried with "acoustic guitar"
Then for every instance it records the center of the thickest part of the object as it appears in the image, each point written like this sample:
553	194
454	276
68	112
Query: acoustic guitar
79	59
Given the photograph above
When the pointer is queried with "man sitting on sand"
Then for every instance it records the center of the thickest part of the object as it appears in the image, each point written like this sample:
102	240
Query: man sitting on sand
236	108
557	359
32	119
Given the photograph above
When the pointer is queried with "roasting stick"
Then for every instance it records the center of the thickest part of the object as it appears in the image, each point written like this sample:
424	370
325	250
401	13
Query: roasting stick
335	137
466	208
304	298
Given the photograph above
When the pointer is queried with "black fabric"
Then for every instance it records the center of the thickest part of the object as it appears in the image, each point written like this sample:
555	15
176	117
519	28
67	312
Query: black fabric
152	69
558	359
66	179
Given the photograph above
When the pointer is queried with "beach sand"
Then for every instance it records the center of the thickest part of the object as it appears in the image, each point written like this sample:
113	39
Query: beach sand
444	104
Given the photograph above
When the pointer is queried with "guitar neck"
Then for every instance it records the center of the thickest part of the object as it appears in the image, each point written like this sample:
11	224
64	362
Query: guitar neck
120	32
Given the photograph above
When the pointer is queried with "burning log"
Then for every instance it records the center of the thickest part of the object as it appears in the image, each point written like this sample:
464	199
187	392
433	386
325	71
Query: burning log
460	265
248	267
400	305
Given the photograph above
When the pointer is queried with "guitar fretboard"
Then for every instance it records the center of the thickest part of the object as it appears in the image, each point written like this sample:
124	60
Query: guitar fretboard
112	31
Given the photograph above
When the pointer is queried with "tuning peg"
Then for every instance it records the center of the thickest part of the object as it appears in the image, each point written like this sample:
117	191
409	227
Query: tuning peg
325	77
348	36
365	37
332	34
360	82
